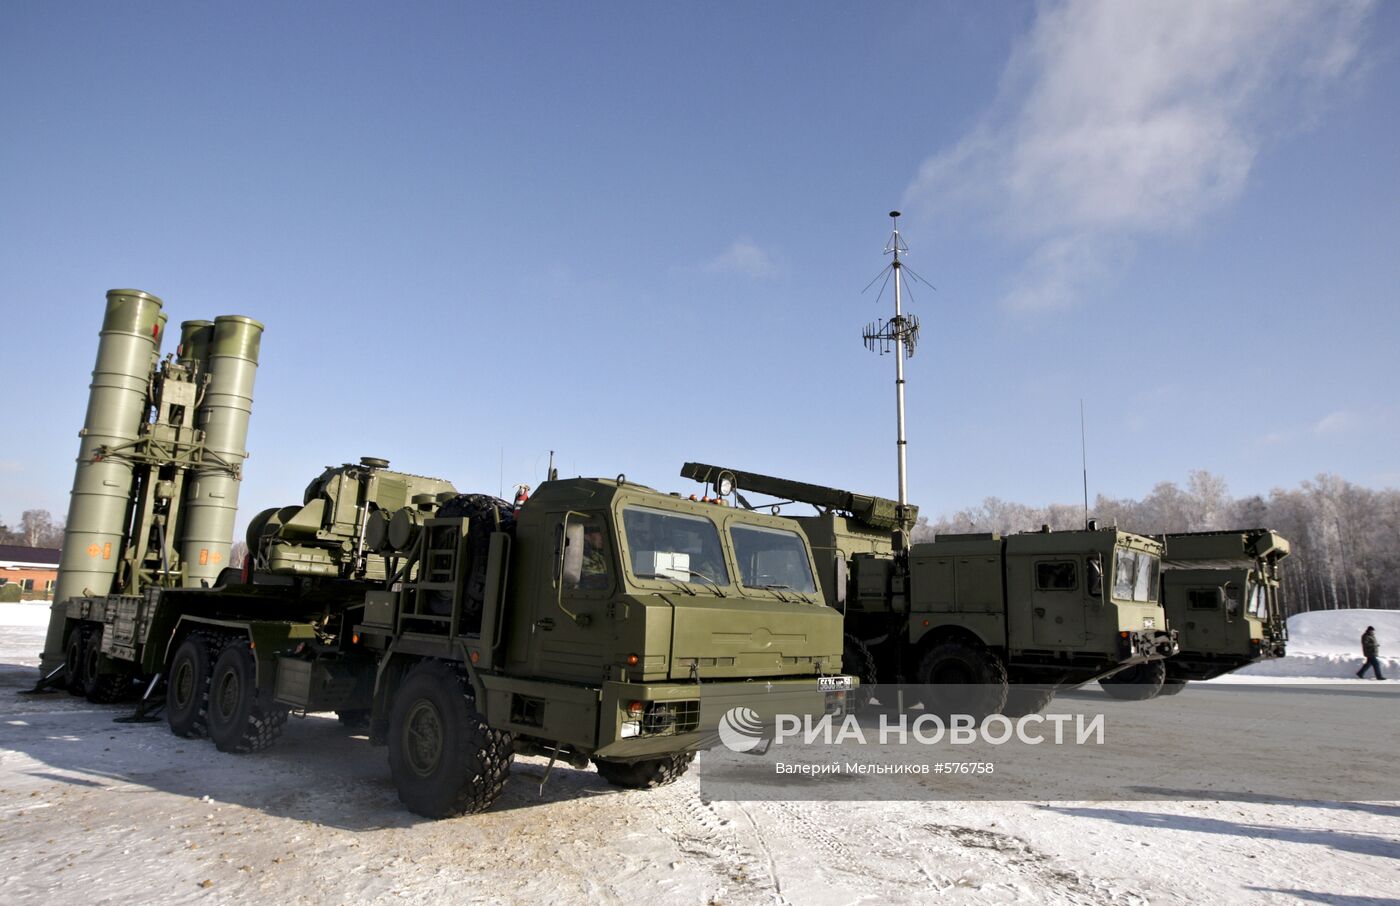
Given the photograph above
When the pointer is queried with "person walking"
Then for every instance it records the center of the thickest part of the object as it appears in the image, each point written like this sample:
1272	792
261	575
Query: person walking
1370	650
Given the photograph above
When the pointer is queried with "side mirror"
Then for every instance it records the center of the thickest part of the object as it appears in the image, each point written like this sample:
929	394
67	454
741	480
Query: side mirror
841	580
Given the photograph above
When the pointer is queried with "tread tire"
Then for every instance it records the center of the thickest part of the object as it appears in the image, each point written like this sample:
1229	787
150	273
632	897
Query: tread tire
646	774
187	685
962	678
241	719
1137	683
103	688
1172	687
1027	698
75	677
460	764
485	514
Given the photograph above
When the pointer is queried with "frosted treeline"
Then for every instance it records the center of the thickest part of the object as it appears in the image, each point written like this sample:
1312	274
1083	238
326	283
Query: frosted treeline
1345	537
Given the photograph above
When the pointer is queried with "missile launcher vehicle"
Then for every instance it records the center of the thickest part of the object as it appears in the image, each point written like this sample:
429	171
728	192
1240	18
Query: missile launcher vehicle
1002	620
598	621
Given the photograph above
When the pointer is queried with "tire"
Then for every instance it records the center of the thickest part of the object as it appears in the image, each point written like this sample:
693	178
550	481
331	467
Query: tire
646	774
75	676
1137	683
1172	687
1028	698
962	678
485	514
857	661
444	759
187	686
103	688
241	719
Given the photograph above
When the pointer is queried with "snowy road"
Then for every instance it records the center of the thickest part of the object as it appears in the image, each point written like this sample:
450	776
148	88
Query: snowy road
99	812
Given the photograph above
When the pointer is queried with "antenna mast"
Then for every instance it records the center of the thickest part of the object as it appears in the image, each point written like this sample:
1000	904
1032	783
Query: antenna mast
900	333
1084	462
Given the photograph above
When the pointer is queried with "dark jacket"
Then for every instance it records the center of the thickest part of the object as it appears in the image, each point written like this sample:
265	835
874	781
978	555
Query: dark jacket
1369	646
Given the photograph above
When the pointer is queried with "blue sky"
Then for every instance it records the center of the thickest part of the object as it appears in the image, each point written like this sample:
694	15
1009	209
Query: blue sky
637	234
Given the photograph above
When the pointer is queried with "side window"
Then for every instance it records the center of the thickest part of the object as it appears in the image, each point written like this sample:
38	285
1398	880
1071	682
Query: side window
1204	598
595	555
1056	575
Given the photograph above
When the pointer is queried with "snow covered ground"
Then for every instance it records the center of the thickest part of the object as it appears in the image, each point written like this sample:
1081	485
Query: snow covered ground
1327	644
97	812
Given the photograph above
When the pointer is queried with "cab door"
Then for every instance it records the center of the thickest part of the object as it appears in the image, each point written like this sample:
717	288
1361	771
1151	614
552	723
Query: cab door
570	630
1058	601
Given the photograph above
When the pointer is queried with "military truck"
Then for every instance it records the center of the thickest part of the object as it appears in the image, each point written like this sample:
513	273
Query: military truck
600	620
1221	593
987	622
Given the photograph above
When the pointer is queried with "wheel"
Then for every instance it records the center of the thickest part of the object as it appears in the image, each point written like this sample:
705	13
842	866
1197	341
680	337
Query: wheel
646	774
485	514
75	676
1027	698
1137	683
1172	687
444	759
187	686
103	688
857	661
962	678
241	719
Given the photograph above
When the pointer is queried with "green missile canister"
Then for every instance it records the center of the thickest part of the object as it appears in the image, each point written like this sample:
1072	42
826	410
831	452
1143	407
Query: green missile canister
93	537
195	337
211	501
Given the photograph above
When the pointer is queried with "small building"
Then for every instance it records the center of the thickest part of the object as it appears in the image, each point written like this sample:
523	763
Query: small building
34	569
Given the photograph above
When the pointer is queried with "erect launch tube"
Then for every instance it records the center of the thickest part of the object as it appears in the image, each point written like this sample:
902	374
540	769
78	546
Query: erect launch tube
211	501
195	337
127	351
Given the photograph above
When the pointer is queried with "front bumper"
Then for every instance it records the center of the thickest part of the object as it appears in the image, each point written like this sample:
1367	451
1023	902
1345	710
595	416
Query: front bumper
1139	646
685	717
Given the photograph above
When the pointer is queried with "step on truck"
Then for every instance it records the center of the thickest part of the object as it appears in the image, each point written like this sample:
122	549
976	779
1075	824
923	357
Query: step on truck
1221	593
982	621
597	621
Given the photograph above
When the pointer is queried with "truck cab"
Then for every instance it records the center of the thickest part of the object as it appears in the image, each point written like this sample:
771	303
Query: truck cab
1221	591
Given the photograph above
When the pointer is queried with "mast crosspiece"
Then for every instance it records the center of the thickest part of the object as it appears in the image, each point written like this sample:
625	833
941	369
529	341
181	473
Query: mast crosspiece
900	334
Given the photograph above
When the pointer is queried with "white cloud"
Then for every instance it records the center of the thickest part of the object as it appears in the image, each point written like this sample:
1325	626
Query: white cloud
1120	119
746	259
1336	422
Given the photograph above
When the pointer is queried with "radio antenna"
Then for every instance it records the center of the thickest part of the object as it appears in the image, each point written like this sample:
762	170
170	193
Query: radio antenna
1084	461
900	333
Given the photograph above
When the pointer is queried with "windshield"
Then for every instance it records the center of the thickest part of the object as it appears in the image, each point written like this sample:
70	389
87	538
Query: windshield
772	558
673	546
1135	575
1258	600
1124	573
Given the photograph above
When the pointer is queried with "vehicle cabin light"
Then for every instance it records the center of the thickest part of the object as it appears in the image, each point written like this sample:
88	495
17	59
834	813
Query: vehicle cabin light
633	660
634	709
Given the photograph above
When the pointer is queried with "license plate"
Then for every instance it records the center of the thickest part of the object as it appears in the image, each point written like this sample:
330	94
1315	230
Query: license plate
835	683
